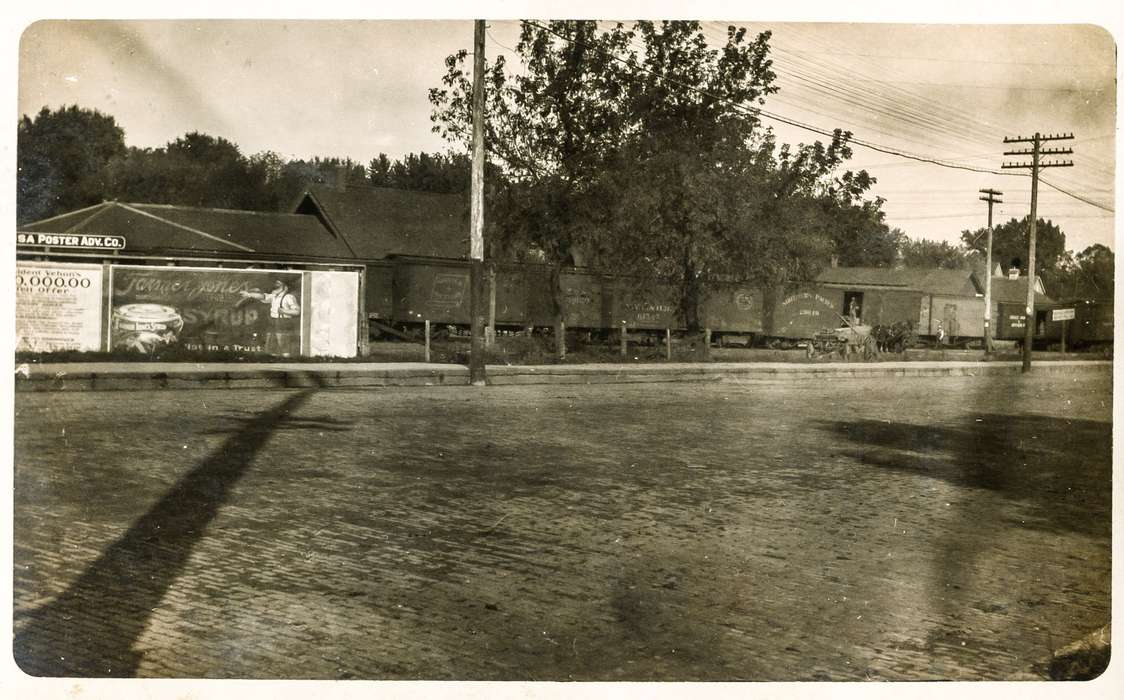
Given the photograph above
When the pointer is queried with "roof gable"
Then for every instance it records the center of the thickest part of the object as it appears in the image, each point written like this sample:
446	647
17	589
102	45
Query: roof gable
376	222
1013	291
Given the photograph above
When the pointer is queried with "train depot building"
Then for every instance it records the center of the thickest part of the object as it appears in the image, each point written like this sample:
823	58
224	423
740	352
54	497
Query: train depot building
348	264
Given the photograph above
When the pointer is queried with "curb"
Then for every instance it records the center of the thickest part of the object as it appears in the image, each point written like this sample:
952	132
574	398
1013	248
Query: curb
122	377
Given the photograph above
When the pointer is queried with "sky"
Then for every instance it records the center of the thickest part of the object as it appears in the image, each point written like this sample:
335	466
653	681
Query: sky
356	88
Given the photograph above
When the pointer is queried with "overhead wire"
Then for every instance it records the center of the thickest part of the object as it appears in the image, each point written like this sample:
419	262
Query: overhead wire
1096	164
890	106
761	112
951	113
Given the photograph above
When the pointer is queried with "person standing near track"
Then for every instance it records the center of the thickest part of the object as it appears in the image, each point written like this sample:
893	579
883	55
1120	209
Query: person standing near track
283	335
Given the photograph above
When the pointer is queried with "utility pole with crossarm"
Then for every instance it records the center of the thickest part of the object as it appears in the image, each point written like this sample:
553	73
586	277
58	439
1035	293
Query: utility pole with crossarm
1036	163
991	202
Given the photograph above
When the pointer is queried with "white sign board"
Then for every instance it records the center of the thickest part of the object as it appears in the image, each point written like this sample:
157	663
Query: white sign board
334	315
58	307
1062	315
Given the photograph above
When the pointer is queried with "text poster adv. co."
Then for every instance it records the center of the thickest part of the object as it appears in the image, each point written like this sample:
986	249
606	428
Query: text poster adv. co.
58	307
205	310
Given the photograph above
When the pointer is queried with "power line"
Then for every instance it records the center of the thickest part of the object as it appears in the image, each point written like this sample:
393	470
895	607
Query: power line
952	114
1076	196
957	60
759	112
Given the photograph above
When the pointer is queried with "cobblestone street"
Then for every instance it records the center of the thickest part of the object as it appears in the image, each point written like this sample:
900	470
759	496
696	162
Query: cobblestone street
949	528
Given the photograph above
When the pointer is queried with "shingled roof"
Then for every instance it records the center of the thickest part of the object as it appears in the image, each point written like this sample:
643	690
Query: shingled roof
947	282
376	222
160	228
1009	291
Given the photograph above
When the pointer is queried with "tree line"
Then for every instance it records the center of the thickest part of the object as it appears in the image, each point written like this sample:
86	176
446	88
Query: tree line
73	157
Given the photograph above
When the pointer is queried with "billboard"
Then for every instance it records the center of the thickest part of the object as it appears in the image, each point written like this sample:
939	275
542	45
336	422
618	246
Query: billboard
58	307
334	324
205	309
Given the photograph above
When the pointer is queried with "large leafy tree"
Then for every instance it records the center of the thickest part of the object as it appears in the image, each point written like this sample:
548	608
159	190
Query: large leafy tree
1009	244
1087	275
701	193
640	151
549	129
61	157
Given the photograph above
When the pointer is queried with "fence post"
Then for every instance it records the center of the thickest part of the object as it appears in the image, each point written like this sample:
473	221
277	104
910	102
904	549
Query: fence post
667	335
427	340
706	338
624	339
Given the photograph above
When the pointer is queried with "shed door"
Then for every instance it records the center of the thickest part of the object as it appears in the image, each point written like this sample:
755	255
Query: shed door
951	323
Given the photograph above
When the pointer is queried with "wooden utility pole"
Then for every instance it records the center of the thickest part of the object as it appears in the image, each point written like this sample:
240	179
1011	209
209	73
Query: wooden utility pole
1036	163
476	372
991	201
490	331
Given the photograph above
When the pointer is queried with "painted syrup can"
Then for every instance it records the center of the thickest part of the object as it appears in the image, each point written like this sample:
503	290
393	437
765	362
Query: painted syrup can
145	327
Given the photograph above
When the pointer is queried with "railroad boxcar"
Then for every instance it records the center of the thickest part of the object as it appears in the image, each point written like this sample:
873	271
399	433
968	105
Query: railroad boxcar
1091	327
798	313
1011	323
734	312
440	291
431	290
1094	325
640	305
379	291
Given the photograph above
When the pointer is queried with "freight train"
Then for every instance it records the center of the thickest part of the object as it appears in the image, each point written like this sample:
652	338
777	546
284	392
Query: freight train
404	292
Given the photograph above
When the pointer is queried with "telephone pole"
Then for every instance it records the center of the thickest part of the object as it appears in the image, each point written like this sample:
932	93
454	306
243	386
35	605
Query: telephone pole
1036	163
991	202
476	372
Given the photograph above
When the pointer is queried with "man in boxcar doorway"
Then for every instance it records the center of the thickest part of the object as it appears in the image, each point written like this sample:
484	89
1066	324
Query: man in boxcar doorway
854	313
283	336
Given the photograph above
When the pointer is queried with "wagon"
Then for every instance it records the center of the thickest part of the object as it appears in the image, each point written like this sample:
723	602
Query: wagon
845	341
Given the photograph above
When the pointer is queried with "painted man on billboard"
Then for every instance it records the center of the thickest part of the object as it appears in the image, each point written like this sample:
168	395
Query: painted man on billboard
283	336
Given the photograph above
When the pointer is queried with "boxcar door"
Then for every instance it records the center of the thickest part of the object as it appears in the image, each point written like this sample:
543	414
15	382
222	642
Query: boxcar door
855	300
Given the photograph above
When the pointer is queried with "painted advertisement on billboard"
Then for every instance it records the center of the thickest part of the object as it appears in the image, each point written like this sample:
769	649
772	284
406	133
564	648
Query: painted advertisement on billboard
58	307
205	310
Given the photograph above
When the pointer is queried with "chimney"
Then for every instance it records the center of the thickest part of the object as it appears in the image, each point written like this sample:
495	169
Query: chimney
834	261
899	261
341	176
1013	273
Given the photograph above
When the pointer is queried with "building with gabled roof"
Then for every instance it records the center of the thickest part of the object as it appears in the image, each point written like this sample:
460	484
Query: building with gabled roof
173	230
378	222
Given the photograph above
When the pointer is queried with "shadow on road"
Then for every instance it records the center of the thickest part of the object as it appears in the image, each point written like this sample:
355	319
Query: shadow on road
1059	469
1053	475
90	629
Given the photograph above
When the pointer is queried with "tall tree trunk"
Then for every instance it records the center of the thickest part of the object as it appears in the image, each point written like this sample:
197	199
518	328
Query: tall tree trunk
691	303
558	310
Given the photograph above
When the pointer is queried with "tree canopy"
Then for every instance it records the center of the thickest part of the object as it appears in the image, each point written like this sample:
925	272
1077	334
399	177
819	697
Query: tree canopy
1009	244
639	150
75	157
61	159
